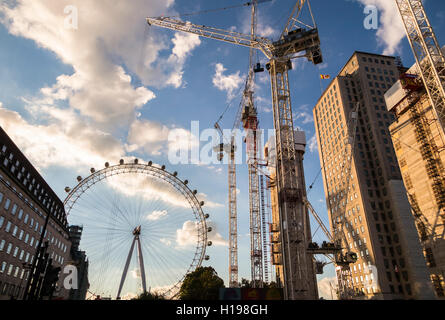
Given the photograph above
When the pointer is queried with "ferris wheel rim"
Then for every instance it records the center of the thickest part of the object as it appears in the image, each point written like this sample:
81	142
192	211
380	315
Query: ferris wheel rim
160	174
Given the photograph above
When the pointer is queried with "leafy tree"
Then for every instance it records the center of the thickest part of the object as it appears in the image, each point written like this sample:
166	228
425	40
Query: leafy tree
150	296
245	283
202	284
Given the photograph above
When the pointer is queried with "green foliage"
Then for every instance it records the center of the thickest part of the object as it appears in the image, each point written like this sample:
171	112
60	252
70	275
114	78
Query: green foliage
202	284
150	296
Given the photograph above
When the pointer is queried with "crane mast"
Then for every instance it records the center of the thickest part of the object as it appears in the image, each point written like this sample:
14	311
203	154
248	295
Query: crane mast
427	52
299	273
250	122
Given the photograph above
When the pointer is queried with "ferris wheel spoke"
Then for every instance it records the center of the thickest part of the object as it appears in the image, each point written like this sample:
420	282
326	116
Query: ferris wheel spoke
113	202
89	204
163	266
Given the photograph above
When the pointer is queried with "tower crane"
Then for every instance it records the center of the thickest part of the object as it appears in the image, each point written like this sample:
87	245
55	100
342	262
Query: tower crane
298	40
247	114
426	49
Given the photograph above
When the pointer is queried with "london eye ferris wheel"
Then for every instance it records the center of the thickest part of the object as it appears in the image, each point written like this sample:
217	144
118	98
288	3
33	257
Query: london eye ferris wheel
144	229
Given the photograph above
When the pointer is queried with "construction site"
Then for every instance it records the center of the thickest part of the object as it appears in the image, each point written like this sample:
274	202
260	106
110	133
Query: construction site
374	259
370	147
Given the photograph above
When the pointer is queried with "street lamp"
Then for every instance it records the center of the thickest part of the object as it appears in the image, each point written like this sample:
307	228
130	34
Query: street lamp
33	275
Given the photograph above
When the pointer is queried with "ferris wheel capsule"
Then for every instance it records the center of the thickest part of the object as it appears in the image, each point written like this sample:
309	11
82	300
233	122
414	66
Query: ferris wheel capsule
79	178
201	203
209	229
175	174
150	163
136	161
195	192
92	170
121	161
107	165
186	182
209	244
163	168
67	189
207	258
207	216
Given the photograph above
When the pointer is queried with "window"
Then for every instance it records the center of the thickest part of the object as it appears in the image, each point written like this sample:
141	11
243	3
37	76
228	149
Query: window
7	204
26	218
14	209
8	250
20	214
8	226
14	231
2	245
3	267
1	197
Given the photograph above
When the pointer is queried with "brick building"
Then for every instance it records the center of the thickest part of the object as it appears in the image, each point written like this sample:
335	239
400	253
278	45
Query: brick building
25	200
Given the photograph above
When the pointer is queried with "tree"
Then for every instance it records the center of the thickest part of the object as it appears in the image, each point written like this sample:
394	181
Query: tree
202	284
150	296
245	283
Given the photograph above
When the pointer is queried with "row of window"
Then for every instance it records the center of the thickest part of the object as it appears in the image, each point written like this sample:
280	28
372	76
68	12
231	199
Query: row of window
12	270
23	256
31	184
27	220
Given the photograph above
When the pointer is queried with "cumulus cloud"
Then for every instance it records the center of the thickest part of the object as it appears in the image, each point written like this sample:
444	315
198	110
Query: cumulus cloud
313	144
167	242
64	141
110	34
229	83
157	215
391	30
324	288
188	235
303	117
135	273
157	139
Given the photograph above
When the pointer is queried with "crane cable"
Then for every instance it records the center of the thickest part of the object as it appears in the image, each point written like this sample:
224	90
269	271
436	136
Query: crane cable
247	4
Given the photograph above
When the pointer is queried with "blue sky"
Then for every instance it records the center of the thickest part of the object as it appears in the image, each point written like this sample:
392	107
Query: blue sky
114	87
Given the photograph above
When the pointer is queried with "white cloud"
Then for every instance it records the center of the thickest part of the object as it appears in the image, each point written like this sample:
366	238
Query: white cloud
157	139
188	235
135	273
229	83
165	241
149	189
324	288
157	215
313	144
391	30
303	117
65	140
110	34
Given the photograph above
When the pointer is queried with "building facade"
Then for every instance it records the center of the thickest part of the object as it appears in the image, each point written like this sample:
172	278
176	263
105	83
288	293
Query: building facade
25	200
275	225
419	141
80	261
367	205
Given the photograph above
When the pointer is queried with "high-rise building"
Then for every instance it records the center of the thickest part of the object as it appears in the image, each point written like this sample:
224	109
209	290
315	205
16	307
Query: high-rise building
367	204
275	226
419	141
25	201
